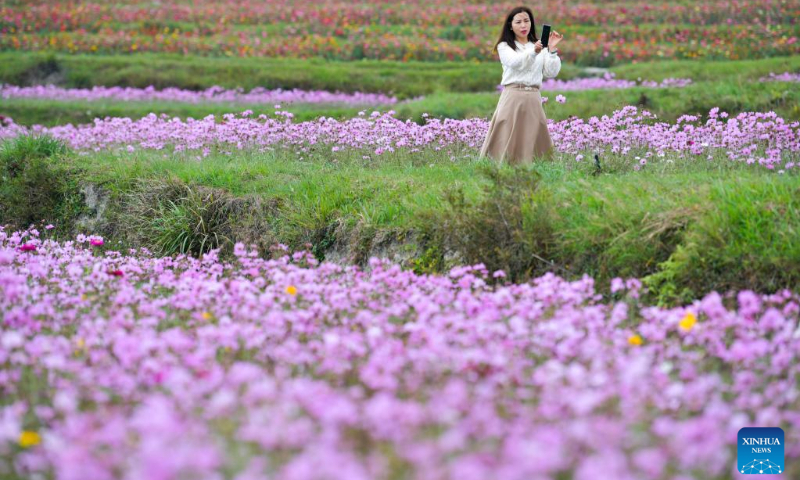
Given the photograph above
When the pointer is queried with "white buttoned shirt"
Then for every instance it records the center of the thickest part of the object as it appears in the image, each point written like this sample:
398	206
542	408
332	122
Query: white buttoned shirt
525	66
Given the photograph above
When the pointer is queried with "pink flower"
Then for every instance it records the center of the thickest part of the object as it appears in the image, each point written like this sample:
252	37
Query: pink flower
96	242
28	248
6	256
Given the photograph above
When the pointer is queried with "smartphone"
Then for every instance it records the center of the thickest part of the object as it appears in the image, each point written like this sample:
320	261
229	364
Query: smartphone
545	34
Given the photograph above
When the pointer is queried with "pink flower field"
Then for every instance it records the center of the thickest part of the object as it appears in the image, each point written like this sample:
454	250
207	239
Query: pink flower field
122	365
750	137
214	94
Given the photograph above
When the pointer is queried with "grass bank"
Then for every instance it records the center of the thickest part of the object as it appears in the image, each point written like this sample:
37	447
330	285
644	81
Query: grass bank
685	229
448	92
668	104
402	79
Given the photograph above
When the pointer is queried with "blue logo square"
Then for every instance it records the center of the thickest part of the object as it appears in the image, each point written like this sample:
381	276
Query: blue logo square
760	451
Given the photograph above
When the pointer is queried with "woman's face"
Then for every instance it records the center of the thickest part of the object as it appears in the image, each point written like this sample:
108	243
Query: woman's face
521	24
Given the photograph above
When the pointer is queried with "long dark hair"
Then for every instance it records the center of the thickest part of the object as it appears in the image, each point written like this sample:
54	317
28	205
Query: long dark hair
507	35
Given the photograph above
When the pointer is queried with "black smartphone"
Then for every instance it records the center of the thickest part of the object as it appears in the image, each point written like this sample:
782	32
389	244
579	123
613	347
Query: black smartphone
545	34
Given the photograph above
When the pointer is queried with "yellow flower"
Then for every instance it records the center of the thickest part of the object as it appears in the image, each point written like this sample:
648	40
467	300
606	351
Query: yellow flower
206	315
29	439
291	290
688	321
80	347
635	340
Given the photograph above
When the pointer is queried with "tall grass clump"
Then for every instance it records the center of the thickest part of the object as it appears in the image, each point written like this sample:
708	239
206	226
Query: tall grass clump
172	217
508	228
36	184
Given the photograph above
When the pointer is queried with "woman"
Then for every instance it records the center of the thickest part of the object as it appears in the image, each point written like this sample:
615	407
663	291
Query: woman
518	129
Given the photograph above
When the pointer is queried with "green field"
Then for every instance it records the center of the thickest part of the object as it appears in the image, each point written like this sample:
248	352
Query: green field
450	90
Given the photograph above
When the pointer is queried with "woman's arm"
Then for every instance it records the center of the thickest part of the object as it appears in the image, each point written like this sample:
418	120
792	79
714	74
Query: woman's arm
513	59
552	64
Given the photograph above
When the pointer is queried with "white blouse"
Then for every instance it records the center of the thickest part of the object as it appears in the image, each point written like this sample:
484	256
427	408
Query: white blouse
525	65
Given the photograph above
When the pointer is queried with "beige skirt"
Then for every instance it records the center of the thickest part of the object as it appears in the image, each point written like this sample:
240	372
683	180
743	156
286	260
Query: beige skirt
518	129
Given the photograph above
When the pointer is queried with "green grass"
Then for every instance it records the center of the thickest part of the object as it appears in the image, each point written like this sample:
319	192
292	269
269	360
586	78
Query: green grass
45	112
403	79
731	86
34	184
669	104
746	71
392	194
685	228
619	224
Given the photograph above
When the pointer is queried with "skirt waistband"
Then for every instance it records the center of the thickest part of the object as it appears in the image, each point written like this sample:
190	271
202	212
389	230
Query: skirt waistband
522	86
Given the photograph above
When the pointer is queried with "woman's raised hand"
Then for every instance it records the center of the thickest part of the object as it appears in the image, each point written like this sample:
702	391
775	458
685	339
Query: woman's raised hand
555	37
538	46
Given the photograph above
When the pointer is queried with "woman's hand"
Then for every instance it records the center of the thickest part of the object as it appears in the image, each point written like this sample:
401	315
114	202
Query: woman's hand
538	46
555	37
